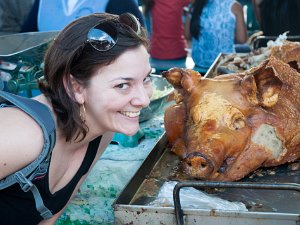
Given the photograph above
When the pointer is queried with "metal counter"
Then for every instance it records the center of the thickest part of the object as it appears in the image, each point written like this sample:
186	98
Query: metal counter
271	195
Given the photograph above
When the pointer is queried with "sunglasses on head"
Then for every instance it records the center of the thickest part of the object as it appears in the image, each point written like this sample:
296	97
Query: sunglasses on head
104	35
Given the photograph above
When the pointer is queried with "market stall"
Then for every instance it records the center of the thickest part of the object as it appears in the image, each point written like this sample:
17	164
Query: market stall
128	183
267	195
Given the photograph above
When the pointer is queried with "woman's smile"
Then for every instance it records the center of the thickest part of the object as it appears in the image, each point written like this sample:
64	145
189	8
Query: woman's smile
131	114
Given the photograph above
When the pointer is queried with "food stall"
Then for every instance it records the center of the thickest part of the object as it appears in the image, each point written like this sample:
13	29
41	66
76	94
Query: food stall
125	185
161	193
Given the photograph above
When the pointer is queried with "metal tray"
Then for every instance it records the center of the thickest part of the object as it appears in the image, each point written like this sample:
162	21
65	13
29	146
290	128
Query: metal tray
211	72
270	194
235	63
21	61
29	47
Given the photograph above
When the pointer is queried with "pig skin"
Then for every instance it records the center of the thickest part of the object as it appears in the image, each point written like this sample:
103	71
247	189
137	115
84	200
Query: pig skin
226	127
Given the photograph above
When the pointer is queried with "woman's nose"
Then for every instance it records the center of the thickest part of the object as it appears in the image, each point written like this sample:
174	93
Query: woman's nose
142	97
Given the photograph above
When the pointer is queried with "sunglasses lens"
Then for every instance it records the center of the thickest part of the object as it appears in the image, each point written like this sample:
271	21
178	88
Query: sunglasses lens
103	36
131	21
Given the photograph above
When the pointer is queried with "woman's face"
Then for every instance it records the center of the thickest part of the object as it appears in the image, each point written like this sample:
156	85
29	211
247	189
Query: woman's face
117	93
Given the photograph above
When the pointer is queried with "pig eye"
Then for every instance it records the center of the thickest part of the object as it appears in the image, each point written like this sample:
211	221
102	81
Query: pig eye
238	123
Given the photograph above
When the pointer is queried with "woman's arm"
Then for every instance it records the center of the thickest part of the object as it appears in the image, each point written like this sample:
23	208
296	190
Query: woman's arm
21	140
240	25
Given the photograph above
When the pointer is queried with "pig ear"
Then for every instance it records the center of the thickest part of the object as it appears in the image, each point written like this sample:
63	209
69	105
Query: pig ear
190	79
182	78
174	76
268	87
262	87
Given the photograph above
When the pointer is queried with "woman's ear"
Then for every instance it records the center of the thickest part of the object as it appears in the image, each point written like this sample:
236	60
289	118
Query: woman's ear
74	89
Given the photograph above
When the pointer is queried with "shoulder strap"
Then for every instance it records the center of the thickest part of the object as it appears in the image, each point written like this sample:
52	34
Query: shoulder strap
43	116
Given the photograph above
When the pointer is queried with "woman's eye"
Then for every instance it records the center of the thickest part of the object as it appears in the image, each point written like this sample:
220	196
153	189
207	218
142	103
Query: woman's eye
147	79
122	86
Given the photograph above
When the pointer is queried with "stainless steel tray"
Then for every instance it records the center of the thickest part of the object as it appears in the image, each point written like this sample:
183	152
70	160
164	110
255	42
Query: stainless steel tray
226	63
21	61
29	46
273	198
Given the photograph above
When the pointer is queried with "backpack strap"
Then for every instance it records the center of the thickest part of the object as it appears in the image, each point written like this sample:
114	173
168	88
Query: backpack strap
43	116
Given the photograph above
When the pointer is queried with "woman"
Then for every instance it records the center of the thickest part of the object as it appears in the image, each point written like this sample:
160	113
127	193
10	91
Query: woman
97	81
215	26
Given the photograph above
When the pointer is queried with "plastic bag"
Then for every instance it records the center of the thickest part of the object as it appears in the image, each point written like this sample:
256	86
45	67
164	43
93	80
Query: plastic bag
194	199
279	40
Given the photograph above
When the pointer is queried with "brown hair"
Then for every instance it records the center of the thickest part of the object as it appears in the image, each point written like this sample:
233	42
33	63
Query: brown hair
71	54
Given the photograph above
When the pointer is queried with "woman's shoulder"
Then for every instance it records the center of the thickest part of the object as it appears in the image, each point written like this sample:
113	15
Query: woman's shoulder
21	140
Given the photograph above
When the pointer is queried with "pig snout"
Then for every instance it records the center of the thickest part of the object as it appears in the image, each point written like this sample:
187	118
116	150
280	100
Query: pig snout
197	165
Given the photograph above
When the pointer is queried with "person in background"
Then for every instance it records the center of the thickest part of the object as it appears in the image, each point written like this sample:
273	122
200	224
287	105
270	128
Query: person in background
52	15
13	14
250	18
276	16
97	80
167	39
215	27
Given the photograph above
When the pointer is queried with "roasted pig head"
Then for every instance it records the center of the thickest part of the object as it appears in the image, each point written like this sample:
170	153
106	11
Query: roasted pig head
226	127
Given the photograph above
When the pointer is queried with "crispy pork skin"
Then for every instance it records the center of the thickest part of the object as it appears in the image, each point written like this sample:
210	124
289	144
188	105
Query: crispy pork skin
226	127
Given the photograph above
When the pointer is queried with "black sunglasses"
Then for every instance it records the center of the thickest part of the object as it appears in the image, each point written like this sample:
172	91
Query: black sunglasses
104	35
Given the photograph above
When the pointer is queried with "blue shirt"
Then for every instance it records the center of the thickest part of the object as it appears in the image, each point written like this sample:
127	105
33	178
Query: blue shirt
111	6
217	32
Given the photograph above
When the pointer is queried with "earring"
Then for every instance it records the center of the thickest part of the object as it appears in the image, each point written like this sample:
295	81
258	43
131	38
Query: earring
82	114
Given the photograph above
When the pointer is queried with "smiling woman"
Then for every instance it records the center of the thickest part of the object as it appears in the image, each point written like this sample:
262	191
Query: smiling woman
128	89
96	83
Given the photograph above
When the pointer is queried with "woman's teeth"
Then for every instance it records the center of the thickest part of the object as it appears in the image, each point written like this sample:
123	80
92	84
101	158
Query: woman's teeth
131	114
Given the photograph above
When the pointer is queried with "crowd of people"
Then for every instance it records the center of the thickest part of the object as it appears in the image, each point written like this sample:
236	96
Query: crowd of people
205	27
97	79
